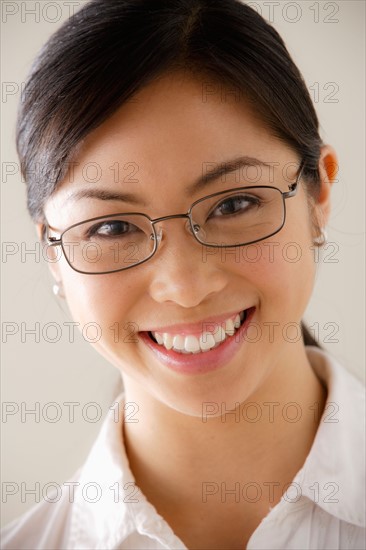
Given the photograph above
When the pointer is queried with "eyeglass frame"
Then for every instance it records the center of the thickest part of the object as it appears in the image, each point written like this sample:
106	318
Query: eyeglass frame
53	241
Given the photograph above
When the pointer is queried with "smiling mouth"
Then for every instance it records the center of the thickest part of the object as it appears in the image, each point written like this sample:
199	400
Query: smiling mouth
206	341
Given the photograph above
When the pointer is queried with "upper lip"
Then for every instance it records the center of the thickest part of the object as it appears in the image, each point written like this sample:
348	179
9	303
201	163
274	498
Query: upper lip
197	327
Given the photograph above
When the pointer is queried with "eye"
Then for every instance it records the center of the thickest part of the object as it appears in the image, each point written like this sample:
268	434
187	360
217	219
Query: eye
111	228
236	204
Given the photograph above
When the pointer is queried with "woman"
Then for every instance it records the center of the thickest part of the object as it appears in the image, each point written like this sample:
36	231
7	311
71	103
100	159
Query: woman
232	431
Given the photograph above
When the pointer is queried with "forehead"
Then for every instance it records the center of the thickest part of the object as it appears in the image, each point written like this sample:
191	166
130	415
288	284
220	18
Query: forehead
161	141
177	122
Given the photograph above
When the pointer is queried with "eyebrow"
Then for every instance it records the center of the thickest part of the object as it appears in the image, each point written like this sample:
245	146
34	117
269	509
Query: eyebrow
224	168
221	169
105	195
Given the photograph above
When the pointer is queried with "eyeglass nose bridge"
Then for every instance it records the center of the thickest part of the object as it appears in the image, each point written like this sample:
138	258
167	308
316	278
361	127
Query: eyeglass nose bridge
159	235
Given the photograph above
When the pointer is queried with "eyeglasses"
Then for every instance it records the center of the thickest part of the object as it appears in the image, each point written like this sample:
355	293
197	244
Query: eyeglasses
234	217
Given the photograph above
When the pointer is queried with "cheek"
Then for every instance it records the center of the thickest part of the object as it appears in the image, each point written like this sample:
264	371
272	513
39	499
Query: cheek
103	306
101	299
286	270
281	273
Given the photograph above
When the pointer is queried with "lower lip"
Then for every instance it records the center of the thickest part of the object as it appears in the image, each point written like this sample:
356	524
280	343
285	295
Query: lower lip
196	363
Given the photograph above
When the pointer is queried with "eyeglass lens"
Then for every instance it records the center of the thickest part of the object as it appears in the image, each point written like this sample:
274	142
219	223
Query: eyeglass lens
236	217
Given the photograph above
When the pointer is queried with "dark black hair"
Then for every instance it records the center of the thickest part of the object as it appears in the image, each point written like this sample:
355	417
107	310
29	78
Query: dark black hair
110	49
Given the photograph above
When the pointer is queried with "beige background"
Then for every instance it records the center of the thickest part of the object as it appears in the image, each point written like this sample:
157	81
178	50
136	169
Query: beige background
326	40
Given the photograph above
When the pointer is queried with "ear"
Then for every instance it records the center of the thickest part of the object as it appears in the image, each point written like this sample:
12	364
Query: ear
50	253
328	170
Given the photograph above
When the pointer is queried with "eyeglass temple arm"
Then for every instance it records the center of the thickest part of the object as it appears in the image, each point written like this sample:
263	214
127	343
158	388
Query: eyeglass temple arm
293	186
51	241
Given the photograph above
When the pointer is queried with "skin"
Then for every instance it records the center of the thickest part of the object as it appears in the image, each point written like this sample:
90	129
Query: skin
170	133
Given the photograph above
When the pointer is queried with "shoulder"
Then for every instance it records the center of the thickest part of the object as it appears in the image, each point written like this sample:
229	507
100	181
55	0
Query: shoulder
336	462
327	509
54	523
45	525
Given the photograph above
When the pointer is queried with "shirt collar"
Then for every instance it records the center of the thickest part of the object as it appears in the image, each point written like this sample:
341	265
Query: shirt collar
108	505
333	475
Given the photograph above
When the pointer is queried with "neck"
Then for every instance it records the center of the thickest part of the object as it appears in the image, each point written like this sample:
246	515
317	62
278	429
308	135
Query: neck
266	437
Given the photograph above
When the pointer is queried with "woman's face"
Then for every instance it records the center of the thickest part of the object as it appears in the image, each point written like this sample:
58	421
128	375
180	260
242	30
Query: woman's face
153	148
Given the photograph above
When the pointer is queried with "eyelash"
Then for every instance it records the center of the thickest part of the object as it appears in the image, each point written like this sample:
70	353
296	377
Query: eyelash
93	230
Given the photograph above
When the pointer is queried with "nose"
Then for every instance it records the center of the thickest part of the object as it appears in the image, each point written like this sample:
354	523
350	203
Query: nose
180	272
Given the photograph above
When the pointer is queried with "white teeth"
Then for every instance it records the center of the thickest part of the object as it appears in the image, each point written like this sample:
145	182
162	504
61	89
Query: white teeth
159	338
168	340
191	344
205	342
229	327
219	334
178	342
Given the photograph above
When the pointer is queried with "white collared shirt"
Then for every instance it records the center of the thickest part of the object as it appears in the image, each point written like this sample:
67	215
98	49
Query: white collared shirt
324	508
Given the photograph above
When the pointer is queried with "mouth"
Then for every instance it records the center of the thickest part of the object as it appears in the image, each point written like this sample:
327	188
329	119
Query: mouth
200	353
204	342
